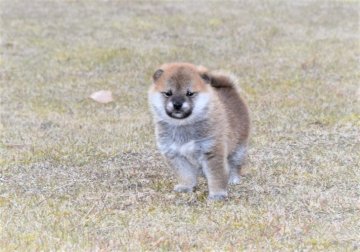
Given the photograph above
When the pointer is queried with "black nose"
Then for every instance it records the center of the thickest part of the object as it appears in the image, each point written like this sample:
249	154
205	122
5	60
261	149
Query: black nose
177	105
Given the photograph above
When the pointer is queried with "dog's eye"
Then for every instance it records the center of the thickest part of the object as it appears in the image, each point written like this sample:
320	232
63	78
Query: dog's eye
188	93
168	93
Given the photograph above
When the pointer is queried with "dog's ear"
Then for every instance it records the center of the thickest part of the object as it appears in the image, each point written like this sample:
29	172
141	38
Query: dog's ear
206	77
157	74
204	73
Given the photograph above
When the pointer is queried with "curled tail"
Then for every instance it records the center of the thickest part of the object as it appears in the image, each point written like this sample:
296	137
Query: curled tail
218	79
222	80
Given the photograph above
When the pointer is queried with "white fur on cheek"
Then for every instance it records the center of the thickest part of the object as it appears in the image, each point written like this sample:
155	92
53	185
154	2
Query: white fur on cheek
201	103
186	105
170	106
157	105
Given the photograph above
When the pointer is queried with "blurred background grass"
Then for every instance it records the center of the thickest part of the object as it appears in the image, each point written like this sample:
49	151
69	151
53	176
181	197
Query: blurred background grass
78	175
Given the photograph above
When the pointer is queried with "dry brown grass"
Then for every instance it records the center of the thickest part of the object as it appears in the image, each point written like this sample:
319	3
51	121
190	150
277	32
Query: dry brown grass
76	175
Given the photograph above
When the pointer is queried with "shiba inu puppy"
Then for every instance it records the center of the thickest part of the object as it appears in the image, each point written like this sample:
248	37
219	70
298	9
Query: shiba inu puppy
202	125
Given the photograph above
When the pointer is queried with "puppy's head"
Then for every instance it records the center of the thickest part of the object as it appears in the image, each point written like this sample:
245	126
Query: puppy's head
180	91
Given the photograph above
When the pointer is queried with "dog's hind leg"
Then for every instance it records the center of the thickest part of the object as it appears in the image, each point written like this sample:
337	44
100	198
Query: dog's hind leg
236	159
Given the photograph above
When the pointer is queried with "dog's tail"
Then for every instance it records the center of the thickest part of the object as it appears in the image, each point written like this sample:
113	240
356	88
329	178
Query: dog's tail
218	79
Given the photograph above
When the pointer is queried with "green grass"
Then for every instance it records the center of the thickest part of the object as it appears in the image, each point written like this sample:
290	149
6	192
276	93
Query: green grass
76	175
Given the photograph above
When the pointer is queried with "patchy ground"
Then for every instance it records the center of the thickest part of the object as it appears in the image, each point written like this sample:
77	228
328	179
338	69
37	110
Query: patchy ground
79	175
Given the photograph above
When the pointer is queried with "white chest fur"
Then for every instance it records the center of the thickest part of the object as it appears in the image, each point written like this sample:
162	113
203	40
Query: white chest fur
192	150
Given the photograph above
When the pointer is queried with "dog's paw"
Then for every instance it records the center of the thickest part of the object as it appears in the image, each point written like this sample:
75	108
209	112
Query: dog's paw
218	196
234	180
183	189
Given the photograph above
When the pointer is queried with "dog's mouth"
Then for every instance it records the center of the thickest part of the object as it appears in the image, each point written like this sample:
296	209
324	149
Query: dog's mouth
178	114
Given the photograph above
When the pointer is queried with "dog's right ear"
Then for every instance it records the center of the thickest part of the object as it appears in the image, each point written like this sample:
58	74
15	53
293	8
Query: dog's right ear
157	74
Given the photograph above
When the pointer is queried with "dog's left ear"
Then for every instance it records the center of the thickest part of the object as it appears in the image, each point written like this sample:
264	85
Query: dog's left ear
204	73
157	74
206	77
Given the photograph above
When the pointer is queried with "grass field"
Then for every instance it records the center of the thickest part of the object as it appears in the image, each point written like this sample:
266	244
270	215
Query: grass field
76	175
